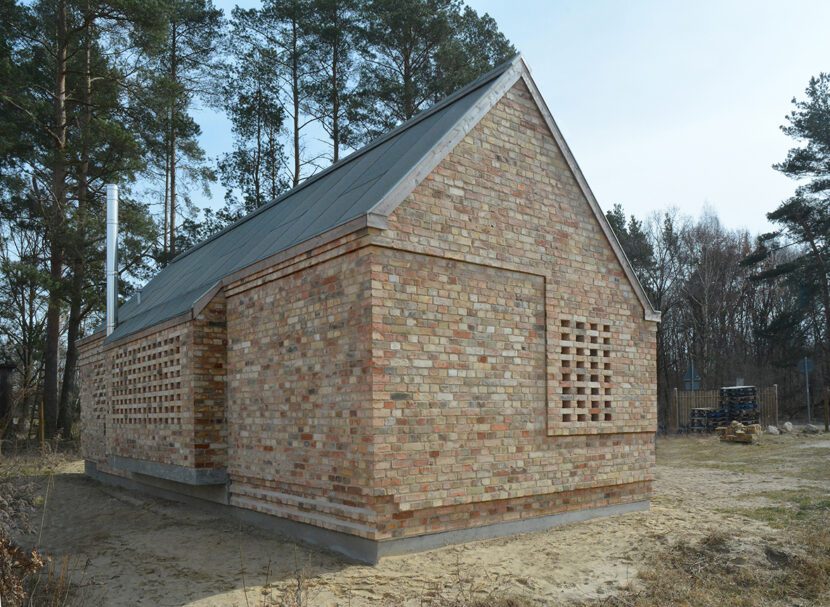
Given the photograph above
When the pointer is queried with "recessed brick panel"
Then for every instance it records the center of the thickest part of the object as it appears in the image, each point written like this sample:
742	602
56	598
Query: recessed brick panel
459	353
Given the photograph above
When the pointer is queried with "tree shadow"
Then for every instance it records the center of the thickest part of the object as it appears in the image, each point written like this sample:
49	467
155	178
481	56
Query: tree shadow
129	548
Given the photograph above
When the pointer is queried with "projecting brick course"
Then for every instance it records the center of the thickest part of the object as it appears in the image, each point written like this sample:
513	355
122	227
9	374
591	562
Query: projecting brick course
483	359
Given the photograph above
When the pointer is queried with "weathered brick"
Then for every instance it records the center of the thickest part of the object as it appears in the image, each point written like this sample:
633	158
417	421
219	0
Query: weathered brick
482	360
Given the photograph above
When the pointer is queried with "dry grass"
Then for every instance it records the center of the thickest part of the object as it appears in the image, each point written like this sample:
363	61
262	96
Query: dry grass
30	577
33	579
725	569
17	568
742	566
791	508
17	500
464	587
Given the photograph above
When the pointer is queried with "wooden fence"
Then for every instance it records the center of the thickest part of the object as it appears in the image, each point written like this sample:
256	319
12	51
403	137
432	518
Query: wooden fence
683	402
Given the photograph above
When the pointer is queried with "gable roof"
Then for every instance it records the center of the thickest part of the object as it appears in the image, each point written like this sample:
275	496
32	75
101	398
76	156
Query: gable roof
359	190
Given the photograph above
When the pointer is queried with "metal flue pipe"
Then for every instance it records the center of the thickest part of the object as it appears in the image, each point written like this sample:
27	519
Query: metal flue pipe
112	257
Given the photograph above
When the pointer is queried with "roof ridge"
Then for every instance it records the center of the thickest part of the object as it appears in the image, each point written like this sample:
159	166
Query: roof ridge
416	119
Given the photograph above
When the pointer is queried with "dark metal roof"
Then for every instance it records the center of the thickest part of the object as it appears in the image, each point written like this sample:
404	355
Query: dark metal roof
341	193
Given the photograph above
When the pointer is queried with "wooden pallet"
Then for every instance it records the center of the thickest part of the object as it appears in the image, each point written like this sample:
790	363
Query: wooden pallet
737	432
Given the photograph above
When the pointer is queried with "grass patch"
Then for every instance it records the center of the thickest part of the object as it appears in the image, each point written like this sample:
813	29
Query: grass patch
30	465
726	569
816	468
801	508
792	454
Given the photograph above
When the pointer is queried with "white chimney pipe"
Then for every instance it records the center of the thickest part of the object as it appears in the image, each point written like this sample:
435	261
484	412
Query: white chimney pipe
112	257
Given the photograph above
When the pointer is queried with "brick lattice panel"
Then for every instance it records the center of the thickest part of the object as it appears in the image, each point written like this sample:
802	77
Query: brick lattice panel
586	377
151	397
147	383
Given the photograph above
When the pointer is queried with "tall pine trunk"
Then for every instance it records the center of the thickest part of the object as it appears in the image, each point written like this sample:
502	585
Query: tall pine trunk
56	206
408	88
65	416
76	252
166	229
258	157
825	293
295	97
335	100
172	149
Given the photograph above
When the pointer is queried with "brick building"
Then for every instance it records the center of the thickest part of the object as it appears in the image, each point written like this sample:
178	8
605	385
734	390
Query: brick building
436	339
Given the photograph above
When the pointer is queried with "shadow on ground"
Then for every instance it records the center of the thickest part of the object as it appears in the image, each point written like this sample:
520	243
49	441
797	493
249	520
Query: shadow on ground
131	549
126	548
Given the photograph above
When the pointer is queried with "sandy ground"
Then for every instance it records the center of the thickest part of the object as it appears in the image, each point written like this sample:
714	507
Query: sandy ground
129	549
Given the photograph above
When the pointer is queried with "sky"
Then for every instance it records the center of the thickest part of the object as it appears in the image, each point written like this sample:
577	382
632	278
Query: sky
663	103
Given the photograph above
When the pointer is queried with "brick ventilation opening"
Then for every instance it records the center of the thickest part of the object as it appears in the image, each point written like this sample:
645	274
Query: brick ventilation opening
586	371
98	381
147	387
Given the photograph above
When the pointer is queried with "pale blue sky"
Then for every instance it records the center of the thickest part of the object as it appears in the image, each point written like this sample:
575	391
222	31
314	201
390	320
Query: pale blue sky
662	102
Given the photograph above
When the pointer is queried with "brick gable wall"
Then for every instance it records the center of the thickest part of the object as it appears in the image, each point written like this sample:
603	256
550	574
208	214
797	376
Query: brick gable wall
522	372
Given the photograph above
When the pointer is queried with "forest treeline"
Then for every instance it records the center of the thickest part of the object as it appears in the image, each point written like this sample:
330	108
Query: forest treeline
95	92
105	91
742	307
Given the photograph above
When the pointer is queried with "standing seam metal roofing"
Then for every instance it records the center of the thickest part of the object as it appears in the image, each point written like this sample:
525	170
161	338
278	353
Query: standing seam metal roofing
341	193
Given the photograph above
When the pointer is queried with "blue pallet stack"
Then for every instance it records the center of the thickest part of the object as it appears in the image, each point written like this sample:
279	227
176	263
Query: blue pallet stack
737	403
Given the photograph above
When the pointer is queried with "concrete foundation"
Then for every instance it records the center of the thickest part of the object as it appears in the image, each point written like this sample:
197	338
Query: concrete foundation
215	500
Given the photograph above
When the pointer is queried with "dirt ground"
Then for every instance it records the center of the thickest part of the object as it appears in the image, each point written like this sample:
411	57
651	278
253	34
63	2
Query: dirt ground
129	549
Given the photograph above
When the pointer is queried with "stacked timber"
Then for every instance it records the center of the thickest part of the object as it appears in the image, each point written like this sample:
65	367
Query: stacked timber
718	417
736	432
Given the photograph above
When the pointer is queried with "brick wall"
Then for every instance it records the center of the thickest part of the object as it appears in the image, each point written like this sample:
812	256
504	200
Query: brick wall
158	396
482	360
209	374
299	400
93	387
555	406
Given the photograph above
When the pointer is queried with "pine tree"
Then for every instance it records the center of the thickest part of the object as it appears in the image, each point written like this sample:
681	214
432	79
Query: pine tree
400	40
416	52
254	172
804	218
65	102
333	40
282	28
474	48
183	71
633	240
